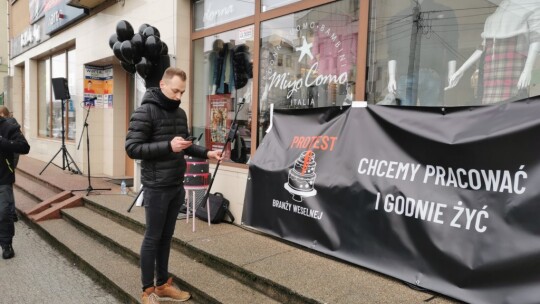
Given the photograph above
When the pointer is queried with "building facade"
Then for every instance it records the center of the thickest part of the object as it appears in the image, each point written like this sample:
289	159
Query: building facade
244	57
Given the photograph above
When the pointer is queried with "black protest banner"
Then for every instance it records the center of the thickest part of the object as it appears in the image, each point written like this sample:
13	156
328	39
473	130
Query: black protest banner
445	199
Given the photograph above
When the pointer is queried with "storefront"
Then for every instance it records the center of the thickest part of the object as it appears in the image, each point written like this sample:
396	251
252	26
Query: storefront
247	55
52	39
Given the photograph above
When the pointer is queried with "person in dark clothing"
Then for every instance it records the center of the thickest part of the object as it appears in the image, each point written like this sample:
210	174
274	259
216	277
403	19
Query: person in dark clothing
11	141
157	135
4	112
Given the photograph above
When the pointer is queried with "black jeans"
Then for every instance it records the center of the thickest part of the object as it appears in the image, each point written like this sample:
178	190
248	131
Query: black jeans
161	207
7	228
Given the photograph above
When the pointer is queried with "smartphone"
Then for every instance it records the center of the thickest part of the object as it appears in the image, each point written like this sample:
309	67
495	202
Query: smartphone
191	138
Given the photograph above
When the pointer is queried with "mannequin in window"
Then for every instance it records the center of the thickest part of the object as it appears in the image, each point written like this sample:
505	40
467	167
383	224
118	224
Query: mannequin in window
511	41
420	41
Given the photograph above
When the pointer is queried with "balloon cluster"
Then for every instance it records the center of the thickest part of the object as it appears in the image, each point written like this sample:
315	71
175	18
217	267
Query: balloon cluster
142	52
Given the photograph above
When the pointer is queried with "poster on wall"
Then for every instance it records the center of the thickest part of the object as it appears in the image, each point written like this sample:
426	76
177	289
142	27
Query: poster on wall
98	86
443	199
218	122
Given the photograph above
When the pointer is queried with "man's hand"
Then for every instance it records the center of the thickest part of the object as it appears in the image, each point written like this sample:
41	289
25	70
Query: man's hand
178	144
214	155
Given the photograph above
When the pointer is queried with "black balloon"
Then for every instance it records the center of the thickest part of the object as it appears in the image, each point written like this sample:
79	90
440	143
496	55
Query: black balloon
127	51
124	30
128	67
137	42
144	67
164	49
151	31
152	47
117	52
113	39
143	27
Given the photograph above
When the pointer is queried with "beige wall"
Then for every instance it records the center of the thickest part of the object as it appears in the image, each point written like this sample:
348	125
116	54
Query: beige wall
107	127
3	44
21	10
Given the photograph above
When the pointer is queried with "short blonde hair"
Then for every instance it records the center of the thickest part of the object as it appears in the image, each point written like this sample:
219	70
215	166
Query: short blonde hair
170	72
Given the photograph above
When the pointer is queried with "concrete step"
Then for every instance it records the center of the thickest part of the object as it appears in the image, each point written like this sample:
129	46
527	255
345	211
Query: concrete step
221	247
24	201
110	269
34	187
206	284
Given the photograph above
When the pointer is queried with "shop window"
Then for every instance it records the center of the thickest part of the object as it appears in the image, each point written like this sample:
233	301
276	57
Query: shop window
209	13
308	59
50	108
222	90
452	53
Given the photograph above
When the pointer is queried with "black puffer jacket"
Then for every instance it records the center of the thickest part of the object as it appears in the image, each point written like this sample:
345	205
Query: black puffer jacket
11	141
151	128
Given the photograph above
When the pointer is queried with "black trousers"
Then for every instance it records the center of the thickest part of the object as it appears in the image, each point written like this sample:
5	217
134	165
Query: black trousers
7	228
161	207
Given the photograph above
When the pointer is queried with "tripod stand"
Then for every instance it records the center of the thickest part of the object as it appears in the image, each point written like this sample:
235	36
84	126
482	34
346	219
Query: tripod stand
66	157
85	127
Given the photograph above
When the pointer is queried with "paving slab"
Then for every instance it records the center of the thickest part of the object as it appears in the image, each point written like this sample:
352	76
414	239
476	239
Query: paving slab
40	274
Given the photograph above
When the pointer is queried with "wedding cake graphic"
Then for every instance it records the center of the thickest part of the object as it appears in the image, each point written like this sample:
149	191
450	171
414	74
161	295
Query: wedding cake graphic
301	179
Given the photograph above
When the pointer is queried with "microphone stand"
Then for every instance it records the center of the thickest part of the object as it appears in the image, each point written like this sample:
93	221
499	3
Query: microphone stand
85	127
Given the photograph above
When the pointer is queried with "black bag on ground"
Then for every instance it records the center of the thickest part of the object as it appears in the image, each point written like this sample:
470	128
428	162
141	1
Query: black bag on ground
219	209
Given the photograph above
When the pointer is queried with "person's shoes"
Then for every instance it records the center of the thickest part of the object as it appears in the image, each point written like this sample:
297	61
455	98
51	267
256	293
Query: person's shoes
7	252
167	292
148	296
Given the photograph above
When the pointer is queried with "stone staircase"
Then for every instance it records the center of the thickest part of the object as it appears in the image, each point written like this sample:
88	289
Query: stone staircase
106	245
218	264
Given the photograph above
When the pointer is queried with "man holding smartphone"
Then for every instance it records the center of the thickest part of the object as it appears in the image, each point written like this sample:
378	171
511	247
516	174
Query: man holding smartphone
158	135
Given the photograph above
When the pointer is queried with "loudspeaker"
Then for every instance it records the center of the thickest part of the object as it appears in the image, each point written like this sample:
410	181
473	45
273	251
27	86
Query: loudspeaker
60	88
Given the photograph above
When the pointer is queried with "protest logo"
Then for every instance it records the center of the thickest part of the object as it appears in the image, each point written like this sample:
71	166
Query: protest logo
301	178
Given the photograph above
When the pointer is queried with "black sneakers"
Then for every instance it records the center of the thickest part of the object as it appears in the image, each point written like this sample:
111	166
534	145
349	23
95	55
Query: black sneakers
7	252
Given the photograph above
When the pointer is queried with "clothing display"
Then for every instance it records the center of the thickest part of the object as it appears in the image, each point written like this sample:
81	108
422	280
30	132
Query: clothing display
507	35
221	72
503	64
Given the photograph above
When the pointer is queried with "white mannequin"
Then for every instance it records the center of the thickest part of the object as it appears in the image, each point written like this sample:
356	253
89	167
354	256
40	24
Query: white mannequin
392	84
505	23
431	66
524	79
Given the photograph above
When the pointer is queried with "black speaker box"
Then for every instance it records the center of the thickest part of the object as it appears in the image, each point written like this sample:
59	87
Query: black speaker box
60	88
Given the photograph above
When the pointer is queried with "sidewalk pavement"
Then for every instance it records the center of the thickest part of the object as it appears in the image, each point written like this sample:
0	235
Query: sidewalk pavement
40	274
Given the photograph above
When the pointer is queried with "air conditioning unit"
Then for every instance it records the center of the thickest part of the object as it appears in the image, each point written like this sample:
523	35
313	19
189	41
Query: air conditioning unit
89	4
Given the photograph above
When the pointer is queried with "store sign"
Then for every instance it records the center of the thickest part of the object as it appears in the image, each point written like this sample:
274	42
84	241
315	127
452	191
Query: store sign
213	14
446	200
319	72
61	16
32	36
209	13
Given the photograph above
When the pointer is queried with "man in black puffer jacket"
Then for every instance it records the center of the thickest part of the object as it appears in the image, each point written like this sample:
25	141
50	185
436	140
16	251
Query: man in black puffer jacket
11	141
157	135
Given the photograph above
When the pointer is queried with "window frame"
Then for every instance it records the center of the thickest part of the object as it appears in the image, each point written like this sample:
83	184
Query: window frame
51	97
256	20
